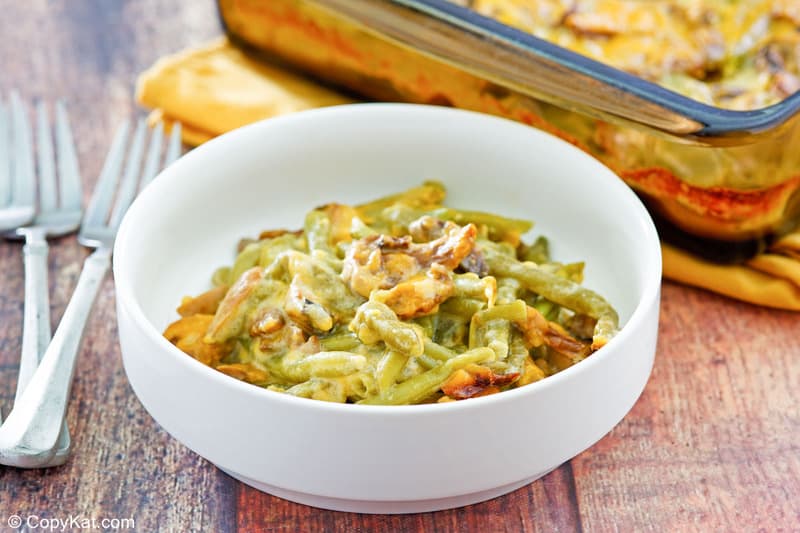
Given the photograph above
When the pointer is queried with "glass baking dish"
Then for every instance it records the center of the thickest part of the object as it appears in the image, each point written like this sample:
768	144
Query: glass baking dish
721	183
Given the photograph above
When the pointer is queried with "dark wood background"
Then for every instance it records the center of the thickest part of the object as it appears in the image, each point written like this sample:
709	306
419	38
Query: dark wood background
713	444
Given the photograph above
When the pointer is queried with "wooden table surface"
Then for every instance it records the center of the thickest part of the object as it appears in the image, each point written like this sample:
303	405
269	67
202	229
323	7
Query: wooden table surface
713	444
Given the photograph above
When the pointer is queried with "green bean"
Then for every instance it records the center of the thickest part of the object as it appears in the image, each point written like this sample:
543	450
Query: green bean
463	307
516	311
375	322
571	271
517	352
472	286
247	259
329	260
389	368
548	309
320	389
428	323
317	229
495	335
359	229
321	364
359	385
415	366
221	276
561	291
303	390
400	214
342	341
240	354
303	270
508	290
396	219
450	330
497	248
429	193
424	385
500	227
427	362
272	248
538	252
437	351
493	326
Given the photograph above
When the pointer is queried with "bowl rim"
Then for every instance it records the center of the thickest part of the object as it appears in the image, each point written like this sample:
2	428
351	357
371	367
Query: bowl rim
650	254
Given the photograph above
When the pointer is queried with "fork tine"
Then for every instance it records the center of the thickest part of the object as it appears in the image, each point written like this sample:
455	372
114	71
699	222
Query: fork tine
5	156
174	148
153	155
104	190
23	190
68	172
46	159
127	189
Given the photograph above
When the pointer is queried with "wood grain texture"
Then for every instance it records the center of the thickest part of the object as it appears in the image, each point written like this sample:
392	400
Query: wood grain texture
711	445
547	506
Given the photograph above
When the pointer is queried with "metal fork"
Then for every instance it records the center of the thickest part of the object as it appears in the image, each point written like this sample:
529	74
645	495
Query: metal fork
17	194
29	436
55	217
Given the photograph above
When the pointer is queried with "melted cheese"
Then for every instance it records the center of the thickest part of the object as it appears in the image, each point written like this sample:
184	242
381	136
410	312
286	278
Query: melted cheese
738	54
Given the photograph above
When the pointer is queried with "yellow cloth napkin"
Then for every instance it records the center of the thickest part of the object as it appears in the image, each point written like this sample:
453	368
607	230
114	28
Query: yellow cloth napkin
770	279
216	88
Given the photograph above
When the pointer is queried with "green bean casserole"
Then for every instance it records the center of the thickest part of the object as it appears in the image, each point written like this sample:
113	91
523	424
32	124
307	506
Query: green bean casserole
398	301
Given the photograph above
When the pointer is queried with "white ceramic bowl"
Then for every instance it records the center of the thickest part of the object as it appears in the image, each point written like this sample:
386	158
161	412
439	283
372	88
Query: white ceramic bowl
378	458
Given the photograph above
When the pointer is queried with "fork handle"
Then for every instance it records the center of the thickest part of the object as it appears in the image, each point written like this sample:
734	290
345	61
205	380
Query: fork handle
36	319
34	425
36	330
